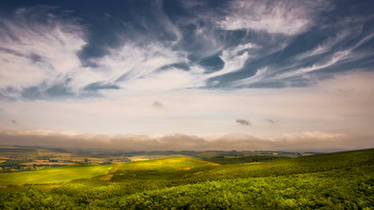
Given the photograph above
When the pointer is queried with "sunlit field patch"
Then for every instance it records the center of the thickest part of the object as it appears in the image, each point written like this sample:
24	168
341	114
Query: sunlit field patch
53	175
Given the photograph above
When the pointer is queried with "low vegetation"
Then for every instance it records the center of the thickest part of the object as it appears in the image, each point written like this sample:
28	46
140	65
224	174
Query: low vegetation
325	181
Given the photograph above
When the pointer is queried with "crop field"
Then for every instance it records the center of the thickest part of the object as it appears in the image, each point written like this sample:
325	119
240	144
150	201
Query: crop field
323	181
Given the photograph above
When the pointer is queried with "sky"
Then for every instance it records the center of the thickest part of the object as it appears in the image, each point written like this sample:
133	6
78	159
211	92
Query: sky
173	74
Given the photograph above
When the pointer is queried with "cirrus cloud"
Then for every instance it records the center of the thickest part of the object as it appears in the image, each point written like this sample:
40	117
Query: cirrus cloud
278	17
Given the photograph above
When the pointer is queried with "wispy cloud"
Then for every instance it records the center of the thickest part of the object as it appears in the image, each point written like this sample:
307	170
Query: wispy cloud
260	75
35	53
234	59
130	63
325	46
278	17
37	57
337	57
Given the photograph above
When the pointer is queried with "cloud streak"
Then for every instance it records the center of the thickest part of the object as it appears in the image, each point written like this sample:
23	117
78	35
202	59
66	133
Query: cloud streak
309	141
280	17
35	53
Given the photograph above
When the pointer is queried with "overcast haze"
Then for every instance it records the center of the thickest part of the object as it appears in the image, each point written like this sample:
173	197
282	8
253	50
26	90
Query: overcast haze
187	75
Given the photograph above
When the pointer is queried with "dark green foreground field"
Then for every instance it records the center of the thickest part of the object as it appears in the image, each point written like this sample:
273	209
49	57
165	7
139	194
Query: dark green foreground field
330	181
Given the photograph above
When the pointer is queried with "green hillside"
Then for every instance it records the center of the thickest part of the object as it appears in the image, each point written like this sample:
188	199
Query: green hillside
328	181
54	175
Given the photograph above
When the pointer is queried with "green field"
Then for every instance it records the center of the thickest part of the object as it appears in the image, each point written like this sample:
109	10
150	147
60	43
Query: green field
327	181
54	175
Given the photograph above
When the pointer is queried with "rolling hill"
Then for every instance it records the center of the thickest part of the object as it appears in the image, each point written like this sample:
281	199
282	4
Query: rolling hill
333	181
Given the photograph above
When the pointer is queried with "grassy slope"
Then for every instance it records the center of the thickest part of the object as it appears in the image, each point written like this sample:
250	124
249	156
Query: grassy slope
160	168
173	163
337	189
323	181
54	175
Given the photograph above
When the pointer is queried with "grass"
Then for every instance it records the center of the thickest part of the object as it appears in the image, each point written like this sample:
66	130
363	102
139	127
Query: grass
329	181
165	168
54	175
166	164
